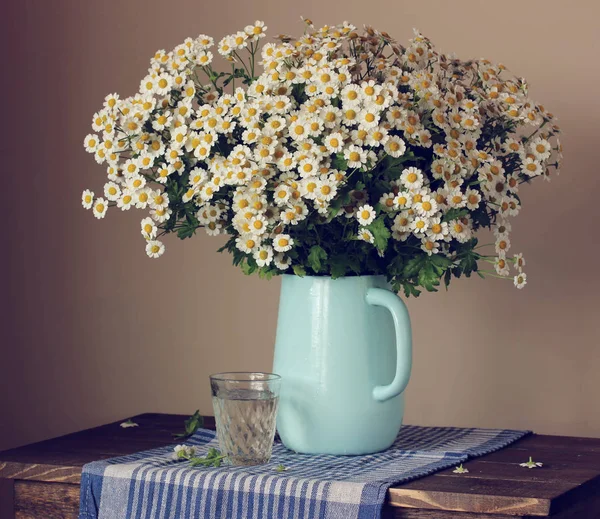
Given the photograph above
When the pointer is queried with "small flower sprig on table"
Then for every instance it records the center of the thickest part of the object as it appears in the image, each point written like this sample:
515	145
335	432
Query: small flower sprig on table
129	423
213	457
460	470
531	464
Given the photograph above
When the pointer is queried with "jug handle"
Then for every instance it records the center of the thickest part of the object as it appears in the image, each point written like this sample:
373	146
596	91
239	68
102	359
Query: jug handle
389	300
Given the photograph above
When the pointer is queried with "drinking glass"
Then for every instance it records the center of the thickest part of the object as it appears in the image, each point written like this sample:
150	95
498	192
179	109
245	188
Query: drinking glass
245	406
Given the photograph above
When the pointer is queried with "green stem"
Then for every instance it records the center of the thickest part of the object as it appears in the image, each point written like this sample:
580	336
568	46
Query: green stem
493	274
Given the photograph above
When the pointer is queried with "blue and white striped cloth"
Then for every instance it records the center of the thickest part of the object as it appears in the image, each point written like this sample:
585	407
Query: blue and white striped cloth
153	485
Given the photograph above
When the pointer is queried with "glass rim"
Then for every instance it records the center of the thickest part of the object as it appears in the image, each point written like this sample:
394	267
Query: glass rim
245	376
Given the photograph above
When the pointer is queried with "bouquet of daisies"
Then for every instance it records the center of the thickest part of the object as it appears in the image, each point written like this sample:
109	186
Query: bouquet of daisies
349	154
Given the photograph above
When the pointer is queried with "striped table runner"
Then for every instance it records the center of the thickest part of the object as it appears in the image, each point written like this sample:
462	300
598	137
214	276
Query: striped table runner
153	485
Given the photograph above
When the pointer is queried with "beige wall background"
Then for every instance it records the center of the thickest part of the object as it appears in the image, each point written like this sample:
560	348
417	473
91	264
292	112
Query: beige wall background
93	331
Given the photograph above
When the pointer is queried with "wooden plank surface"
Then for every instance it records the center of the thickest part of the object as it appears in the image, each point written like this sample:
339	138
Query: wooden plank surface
495	484
35	500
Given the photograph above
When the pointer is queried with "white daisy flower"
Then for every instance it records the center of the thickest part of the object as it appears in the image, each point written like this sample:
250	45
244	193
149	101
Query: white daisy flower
213	228
365	215
247	243
438	230
308	167
387	202
366	235
502	229
163	84
155	248
377	136
326	190
395	146
282	262
87	199
456	199
531	167
473	198
519	261
149	228
426	206
162	120
91	143
141	197
161	215
368	118
256	31
460	231
204	42
541	148
334	142
351	95
403	200
355	155
420	224
282	242
112	191
350	116
282	194
520	280
331	116
100	208
502	245
412	178
403	222
125	202
501	266
429	245
299	130
258	225
263	256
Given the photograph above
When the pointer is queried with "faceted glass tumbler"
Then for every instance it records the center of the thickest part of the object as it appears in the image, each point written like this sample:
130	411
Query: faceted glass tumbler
245	406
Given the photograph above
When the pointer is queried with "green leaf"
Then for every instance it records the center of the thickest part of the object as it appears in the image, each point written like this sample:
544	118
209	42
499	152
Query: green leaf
339	162
191	425
342	264
396	266
299	270
381	233
454	213
186	232
248	266
410	290
266	272
316	257
414	265
440	263
280	468
428	277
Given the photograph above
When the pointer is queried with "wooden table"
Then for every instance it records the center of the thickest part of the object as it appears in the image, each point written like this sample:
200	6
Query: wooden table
43	479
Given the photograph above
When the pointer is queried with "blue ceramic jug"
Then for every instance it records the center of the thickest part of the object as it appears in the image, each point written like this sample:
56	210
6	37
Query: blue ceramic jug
344	351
